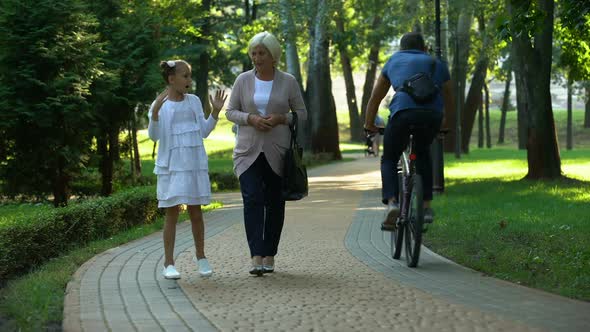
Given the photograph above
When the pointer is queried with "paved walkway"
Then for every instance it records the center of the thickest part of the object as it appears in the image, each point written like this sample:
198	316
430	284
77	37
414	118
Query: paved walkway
333	273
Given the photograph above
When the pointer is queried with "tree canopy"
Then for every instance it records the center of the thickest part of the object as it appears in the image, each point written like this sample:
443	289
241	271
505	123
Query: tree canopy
74	74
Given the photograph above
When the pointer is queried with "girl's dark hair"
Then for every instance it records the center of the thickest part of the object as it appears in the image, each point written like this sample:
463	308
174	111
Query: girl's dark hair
169	67
167	70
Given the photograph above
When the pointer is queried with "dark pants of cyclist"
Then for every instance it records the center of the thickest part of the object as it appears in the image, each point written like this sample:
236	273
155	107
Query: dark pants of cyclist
395	140
264	207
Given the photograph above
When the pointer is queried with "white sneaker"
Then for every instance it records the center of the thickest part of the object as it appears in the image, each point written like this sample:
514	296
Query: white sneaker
170	272
204	267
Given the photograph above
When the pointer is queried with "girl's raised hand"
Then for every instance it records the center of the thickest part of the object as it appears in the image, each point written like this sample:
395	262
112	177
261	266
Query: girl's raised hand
218	101
158	104
161	99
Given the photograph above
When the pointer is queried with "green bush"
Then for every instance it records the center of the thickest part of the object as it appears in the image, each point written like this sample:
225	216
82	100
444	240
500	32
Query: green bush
224	181
29	241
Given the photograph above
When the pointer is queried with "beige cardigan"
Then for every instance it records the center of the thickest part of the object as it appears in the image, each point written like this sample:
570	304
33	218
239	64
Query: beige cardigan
284	96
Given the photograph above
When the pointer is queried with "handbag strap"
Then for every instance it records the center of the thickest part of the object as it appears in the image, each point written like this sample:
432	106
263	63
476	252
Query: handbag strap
293	128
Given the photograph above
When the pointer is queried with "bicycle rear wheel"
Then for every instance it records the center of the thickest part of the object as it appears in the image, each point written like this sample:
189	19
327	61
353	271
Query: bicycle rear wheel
413	228
397	236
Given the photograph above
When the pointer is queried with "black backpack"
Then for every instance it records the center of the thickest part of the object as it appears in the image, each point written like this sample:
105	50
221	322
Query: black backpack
421	87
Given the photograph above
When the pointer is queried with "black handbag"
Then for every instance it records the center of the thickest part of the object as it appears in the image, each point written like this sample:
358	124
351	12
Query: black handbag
421	87
295	185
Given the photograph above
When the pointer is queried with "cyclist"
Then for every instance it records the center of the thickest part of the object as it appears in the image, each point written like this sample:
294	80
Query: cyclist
405	111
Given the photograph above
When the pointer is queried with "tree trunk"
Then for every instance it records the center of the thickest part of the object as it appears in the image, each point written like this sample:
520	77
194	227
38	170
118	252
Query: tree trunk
324	126
356	130
460	57
136	150
542	148
474	94
136	166
487	115
587	107
372	66
480	123
106	168
291	55
569	131
137	159
473	101
60	184
522	105
202	73
114	147
505	105
132	155
444	31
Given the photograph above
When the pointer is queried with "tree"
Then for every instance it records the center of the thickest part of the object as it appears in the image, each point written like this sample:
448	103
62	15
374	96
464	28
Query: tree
486	99
290	36
342	40
459	74
49	57
470	107
533	44
322	109
522	106
569	131
572	39
505	100
480	121
128	32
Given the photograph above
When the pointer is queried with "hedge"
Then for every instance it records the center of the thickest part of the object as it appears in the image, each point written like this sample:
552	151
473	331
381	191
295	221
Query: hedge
29	241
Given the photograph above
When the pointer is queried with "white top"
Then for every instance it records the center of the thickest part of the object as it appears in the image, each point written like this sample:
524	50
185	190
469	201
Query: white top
181	165
162	130
262	94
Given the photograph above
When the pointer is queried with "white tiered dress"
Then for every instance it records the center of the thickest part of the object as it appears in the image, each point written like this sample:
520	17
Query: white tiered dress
182	165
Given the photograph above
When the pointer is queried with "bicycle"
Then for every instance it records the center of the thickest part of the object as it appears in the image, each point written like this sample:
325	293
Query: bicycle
410	222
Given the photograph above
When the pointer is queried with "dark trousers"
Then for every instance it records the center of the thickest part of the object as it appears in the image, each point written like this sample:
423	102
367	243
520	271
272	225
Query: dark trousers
396	139
264	207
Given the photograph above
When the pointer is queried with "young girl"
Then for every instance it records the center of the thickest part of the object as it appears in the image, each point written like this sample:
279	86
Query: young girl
178	122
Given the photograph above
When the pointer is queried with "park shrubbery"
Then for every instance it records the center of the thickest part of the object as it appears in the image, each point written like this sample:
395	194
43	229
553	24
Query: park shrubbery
223	181
31	240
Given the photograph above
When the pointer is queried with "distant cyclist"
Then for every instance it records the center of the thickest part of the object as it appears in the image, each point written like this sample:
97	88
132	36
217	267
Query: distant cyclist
411	66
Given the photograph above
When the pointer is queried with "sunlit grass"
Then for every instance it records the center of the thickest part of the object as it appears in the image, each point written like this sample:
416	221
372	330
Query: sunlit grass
532	232
510	164
11	211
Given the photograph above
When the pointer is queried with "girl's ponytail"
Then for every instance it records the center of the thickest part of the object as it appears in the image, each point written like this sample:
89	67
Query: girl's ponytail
168	68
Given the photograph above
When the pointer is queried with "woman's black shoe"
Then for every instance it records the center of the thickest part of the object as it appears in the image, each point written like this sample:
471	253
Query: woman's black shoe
257	270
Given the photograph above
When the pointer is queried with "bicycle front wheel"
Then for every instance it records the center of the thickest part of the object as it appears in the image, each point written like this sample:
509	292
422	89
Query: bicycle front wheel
413	229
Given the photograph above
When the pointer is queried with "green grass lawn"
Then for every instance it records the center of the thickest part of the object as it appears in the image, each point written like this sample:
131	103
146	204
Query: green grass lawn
535	233
13	210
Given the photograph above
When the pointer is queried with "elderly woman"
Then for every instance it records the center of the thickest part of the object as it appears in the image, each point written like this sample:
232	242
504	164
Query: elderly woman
259	104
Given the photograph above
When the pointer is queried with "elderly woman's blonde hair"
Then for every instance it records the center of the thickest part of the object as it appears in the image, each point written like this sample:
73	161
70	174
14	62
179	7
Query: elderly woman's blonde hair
269	41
